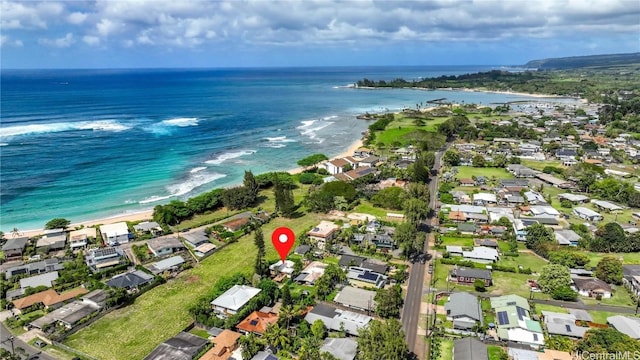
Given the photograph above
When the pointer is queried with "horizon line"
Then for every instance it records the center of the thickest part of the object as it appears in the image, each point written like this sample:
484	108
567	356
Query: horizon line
267	67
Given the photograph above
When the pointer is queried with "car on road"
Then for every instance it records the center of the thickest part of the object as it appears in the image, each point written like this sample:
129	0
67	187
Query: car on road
39	343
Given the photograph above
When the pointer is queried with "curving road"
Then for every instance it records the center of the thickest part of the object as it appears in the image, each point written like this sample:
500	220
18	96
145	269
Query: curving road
33	353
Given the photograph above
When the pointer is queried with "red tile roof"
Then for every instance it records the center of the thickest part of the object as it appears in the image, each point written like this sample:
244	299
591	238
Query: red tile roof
257	322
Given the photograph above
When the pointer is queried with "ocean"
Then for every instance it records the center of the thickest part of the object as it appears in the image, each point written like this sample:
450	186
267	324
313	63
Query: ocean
88	144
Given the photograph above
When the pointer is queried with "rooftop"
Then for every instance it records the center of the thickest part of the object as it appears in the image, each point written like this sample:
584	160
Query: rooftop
236	297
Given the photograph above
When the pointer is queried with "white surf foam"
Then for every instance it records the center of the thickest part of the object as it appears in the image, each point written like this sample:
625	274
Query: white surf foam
274	145
229	155
197	169
306	123
191	183
97	125
279	139
3	144
181	122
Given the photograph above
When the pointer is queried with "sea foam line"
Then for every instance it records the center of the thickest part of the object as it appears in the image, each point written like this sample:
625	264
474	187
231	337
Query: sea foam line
194	181
98	125
229	155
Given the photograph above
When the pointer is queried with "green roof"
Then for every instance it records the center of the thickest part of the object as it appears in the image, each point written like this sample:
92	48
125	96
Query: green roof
509	300
533	326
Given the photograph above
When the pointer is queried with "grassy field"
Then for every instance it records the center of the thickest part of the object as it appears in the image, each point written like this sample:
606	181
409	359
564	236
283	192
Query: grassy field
466	172
446	349
133	332
527	260
401	126
539	165
366	207
544	307
494	352
600	317
505	283
619	297
460	241
627	258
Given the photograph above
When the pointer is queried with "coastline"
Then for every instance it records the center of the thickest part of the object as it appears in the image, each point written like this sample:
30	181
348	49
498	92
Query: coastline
148	213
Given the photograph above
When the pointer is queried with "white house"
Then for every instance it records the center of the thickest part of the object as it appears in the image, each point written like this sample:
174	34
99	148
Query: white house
586	213
233	300
481	254
114	234
484	198
78	239
323	232
335	166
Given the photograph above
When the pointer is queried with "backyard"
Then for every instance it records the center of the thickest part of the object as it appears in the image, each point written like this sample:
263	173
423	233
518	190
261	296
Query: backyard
134	331
467	172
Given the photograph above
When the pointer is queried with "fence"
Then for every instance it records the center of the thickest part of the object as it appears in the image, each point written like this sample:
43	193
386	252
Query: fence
72	350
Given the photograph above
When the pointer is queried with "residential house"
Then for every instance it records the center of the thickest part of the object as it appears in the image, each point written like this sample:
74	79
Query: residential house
102	258
323	233
265	355
534	198
481	254
34	268
336	319
335	166
461	197
173	263
544	211
490	243
49	298
355	174
131	280
311	273
626	325
78	239
454	250
257	322
631	278
14	247
236	224
115	234
232	300
224	345
509	183
586	214
363	152
466	276
96	298
469	348
195	238
605	205
483	199
521	171
563	324
554	181
148	227
477	218
592	287
46	279
53	239
302	250
467	228
574	198
281	269
464	310
370	161
381	241
467	182
347	261
204	249
361	277
68	315
356	298
567	237
184	346
340	348
514	321
457	216
165	245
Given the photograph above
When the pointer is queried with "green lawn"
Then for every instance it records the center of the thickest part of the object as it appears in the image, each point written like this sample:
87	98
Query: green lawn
544	307
454	240
619	297
401	126
200	332
132	332
539	165
366	207
446	349
505	283
525	259
468	172
600	317
627	258
494	352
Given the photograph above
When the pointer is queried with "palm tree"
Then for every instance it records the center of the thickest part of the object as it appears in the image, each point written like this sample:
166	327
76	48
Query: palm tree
287	313
309	348
277	336
15	232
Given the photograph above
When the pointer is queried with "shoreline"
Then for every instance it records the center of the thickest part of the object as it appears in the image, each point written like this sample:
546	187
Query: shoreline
147	214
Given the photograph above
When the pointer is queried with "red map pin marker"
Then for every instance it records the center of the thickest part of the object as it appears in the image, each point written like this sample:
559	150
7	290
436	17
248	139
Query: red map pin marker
283	239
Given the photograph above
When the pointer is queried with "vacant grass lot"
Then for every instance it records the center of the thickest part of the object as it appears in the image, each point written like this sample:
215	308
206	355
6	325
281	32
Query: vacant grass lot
366	207
397	130
527	260
134	331
467	172
454	240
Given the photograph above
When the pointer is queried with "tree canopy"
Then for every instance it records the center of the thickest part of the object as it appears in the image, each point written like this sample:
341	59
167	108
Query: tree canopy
57	223
609	270
382	340
554	276
312	160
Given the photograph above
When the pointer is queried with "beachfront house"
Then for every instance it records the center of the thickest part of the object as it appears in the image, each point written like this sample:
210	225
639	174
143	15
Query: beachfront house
335	166
14	247
115	234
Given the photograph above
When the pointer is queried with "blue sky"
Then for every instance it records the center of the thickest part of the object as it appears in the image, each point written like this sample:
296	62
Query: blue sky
191	33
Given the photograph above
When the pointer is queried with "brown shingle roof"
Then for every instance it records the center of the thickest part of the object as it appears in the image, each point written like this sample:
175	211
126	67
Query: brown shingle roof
339	162
457	215
48	297
237	224
225	344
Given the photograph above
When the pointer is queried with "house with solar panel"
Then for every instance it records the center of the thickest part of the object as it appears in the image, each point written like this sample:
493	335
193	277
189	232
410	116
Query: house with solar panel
103	258
514	321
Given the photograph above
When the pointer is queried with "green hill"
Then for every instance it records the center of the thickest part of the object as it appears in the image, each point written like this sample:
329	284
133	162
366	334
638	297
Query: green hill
585	61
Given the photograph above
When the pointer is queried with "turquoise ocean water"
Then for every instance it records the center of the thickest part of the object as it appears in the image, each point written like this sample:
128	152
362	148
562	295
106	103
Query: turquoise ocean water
87	144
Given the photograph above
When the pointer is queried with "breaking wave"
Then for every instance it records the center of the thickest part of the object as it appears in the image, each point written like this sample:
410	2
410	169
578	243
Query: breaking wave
193	181
229	155
98	125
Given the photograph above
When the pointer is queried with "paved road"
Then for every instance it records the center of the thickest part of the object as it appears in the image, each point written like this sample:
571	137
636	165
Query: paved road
34	353
413	300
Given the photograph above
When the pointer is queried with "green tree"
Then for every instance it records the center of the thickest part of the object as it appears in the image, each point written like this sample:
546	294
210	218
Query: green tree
251	345
251	184
418	191
499	160
603	341
479	285
560	343
309	348
564	293
609	270
554	276
260	267
389	302
57	223
277	336
318	330
286	295
539	238
451	157
610	238
478	161
390	198
312	160
416	210
237	198
405	236
420	173
319	201
283	194
382	340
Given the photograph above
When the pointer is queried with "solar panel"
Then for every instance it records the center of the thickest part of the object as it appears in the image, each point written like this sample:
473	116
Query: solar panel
521	313
503	318
511	303
254	322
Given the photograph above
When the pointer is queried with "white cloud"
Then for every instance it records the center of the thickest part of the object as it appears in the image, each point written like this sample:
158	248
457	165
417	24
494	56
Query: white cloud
63	42
77	18
91	40
28	15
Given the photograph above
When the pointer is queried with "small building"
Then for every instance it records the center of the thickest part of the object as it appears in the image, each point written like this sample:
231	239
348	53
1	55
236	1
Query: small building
195	238
360	277
96	298
631	278
563	324
302	250
457	216
490	243
626	325
340	348
68	315
78	239
115	234
131	280
482	254
567	237
454	250
310	274
467	228
355	298
204	249
285	268
165	245
464	310
370	161
605	205
14	247
336	319
467	182
49	298
170	264
469	348
257	322
232	300
236	224
148	227
467	276
34	268
323	233
592	287
184	346
484	199
53	239
554	181
574	198
225	344
587	214
335	166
